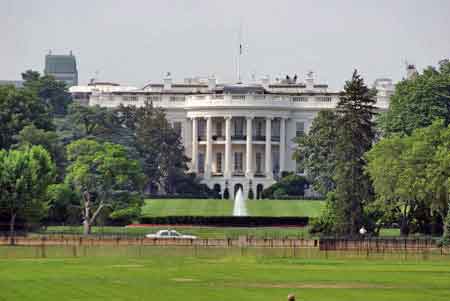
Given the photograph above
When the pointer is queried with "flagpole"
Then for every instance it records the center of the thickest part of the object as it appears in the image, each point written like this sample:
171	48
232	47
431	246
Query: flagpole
239	54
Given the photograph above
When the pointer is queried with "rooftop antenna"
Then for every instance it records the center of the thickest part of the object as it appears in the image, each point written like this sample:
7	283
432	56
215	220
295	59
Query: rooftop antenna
240	54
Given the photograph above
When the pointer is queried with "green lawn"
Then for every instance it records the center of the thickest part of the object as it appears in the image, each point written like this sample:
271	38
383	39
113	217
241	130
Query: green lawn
201	232
165	207
285	207
162	276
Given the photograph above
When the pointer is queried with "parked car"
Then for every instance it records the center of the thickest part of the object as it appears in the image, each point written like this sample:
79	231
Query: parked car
170	234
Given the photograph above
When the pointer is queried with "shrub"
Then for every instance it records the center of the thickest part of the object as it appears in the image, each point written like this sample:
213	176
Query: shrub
226	194
325	223
289	186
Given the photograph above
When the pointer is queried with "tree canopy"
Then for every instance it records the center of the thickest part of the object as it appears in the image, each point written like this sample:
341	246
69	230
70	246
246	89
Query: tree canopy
316	151
418	101
103	175
355	137
19	108
24	177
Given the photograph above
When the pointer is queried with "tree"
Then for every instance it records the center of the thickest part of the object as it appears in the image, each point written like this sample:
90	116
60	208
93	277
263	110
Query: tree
159	146
418	101
19	108
50	91
355	137
410	176
49	140
24	177
316	151
62	203
103	175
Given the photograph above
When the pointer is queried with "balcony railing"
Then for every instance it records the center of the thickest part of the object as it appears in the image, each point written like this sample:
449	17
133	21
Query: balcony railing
276	138
259	138
218	138
238	137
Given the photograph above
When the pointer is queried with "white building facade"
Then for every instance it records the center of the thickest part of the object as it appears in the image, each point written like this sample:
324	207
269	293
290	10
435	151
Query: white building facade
237	136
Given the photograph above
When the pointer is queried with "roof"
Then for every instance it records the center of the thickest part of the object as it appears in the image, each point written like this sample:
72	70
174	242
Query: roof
243	89
60	64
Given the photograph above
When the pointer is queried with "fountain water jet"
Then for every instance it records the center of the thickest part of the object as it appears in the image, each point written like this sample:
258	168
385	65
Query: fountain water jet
240	208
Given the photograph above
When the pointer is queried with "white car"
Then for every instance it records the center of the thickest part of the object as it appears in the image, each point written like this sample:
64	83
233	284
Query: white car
170	234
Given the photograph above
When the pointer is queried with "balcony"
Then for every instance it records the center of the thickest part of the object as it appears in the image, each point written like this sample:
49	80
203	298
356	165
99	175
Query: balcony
218	138
276	138
238	173
238	137
259	138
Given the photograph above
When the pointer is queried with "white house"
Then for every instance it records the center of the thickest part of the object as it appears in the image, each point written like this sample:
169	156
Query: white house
237	135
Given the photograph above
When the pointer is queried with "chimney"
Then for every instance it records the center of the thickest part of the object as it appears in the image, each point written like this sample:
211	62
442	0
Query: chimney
168	81
265	81
212	83
310	81
411	71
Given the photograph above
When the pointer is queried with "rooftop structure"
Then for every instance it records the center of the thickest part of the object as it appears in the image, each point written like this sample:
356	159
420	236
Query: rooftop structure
62	67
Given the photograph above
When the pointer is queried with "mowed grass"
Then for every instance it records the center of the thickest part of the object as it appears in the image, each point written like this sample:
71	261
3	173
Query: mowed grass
211	207
285	207
201	232
162	277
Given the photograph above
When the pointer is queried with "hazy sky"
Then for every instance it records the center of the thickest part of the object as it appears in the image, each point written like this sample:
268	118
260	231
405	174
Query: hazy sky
133	42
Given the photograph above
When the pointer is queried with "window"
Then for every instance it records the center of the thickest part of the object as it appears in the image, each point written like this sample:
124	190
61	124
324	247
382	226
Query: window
176	98
258	159
324	98
219	162
300	129
299	98
239	127
276	128
201	162
201	129
219	129
130	98
238	166
275	161
259	128
153	98
177	127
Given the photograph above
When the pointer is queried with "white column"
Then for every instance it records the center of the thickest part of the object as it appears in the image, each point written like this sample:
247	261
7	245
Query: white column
208	157
227	171
268	155
194	159
249	149
282	144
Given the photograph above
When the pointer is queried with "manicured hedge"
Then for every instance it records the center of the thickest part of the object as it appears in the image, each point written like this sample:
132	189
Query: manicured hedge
226	221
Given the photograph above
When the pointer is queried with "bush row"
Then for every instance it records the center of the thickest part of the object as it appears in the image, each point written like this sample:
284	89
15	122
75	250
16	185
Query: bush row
226	221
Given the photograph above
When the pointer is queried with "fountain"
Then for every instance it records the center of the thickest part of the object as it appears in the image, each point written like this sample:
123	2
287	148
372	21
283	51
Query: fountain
240	208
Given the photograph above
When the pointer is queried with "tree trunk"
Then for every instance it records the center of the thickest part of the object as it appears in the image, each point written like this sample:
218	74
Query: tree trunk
12	223
86	227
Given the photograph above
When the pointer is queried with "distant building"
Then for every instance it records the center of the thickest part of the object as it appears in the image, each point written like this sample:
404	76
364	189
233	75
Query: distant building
62	67
15	83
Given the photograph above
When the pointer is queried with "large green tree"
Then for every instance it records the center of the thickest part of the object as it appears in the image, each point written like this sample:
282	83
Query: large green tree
19	108
103	175
418	101
410	176
158	144
52	92
316	151
355	137
24	177
30	135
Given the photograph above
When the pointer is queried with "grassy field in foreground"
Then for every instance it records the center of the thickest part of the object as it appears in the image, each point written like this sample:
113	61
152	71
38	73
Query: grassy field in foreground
225	278
165	207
